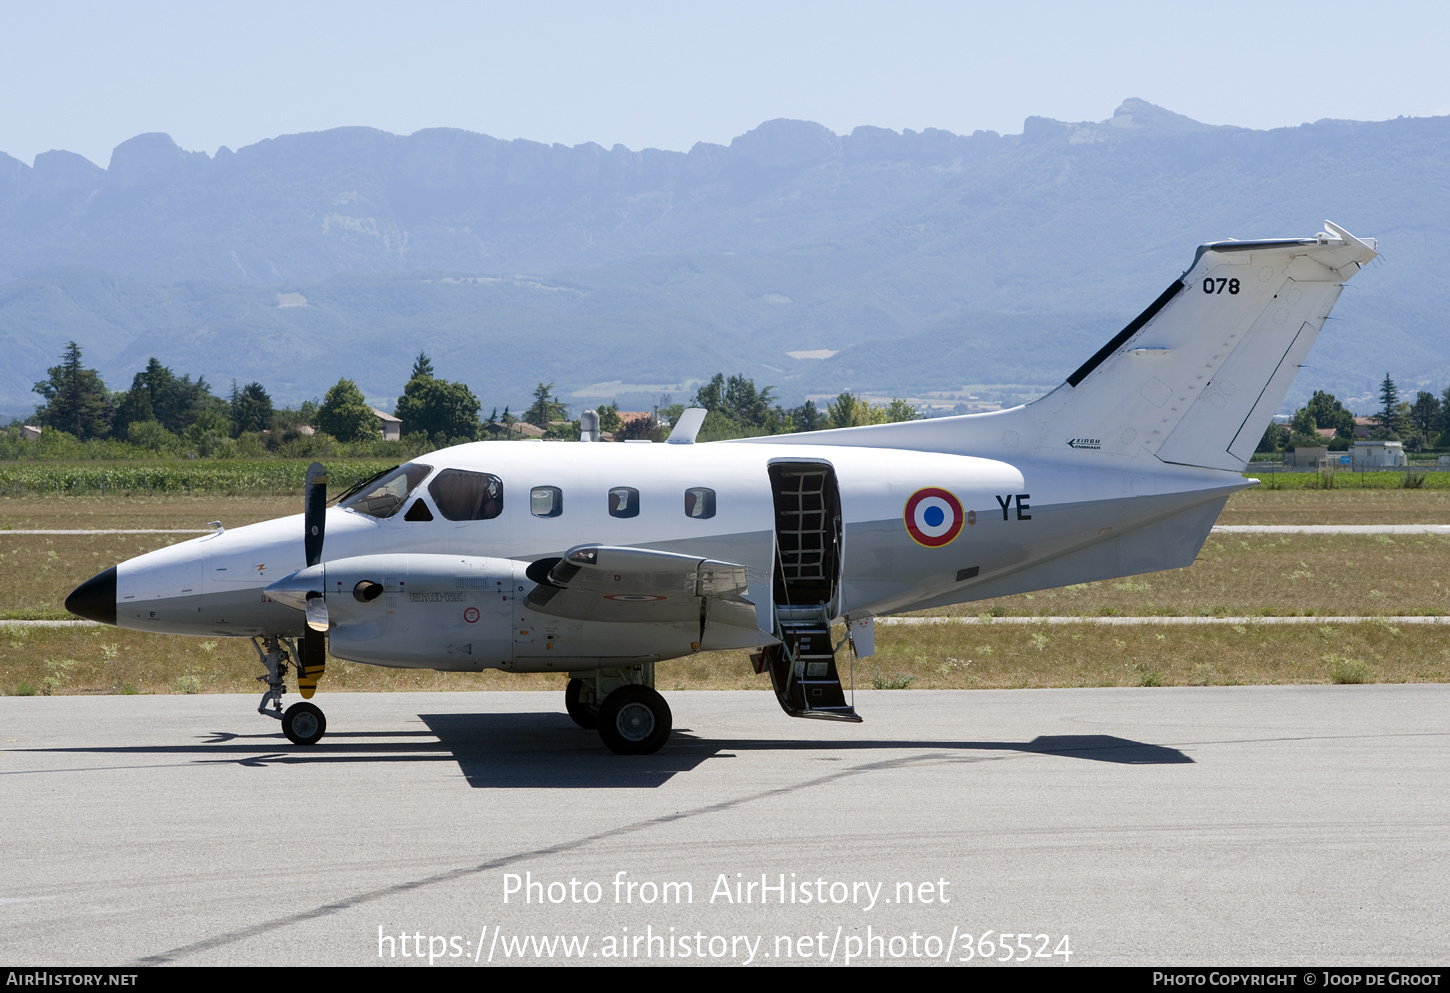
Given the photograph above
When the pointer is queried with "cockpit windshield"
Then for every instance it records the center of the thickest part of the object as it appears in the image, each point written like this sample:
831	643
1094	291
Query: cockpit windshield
384	495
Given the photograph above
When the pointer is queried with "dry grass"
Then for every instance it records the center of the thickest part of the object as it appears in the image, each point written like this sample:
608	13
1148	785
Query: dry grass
1239	575
53	565
1340	506
1252	574
1255	506
172	510
110	660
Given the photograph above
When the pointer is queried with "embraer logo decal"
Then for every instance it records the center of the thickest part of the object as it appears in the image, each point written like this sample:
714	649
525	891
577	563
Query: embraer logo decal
1084	443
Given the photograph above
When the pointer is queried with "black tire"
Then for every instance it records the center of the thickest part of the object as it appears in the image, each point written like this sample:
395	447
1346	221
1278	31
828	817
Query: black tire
304	724
586	715
634	720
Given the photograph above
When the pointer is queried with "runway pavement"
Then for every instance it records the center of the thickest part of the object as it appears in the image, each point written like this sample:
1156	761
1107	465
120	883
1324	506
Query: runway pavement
1166	826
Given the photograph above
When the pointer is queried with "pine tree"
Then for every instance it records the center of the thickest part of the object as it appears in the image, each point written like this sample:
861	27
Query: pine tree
546	407
1389	415
76	400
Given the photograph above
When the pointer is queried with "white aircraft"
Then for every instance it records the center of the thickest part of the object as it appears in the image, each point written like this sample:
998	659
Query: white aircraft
603	560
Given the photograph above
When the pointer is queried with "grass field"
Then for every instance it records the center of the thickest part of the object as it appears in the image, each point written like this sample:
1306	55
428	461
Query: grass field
1376	576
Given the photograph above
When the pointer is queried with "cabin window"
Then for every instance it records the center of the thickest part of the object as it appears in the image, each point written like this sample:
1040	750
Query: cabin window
624	502
461	495
700	502
385	493
546	501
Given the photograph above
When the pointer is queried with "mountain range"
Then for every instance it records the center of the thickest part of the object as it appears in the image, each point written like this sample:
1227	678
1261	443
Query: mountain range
924	265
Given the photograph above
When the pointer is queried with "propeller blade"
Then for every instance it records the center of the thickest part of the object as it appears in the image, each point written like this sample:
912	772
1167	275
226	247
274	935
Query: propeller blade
314	511
312	664
317	612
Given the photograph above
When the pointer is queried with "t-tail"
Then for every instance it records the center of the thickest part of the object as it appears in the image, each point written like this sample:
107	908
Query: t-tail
1193	380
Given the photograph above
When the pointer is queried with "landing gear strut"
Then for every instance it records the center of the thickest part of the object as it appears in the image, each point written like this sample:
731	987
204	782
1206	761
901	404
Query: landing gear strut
632	719
302	723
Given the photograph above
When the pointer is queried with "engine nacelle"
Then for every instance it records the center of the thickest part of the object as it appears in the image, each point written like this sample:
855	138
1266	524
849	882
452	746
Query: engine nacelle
423	611
466	613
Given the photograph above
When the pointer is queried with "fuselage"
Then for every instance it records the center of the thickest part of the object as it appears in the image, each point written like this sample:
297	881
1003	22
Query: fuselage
987	526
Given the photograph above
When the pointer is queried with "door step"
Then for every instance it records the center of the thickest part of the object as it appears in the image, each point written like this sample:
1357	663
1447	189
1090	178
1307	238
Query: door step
803	671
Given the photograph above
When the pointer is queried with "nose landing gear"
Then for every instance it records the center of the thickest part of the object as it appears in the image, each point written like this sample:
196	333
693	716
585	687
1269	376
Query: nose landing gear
302	723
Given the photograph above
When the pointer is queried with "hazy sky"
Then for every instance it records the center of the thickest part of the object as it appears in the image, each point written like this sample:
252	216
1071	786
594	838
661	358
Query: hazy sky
86	76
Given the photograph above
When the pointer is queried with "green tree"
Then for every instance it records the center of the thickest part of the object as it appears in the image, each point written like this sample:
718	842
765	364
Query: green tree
1425	414
437	407
609	417
900	410
251	409
641	429
345	415
808	417
207	433
738	399
1303	430
133	407
422	367
546	407
76	400
1389	415
1328	412
1276	436
176	403
848	411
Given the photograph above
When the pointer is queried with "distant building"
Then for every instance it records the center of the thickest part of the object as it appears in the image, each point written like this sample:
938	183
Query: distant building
1306	455
1378	454
392	426
30	432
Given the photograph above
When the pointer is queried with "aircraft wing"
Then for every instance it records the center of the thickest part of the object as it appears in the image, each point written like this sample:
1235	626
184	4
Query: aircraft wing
641	585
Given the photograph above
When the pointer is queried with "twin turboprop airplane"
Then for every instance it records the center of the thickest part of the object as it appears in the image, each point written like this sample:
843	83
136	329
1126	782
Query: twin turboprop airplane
603	560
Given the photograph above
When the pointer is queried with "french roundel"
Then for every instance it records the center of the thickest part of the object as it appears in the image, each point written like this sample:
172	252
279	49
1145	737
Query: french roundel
933	517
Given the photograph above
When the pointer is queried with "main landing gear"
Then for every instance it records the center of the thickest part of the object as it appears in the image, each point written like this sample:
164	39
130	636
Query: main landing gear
632	719
302	723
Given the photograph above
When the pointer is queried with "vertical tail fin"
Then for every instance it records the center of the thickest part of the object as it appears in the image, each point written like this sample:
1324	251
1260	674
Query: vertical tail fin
1197	376
1192	380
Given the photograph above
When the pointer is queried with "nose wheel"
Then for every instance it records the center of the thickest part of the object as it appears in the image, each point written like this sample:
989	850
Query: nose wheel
304	724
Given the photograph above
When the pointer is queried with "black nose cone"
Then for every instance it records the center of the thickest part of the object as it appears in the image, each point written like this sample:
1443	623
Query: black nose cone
95	599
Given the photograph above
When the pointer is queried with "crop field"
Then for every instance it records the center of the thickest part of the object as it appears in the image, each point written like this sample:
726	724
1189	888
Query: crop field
1377	577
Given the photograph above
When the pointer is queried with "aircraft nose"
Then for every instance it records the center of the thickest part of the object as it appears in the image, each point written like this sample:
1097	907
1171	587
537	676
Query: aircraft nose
95	599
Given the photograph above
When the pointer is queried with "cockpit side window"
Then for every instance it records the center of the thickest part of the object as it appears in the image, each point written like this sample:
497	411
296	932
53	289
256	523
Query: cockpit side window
384	497
461	495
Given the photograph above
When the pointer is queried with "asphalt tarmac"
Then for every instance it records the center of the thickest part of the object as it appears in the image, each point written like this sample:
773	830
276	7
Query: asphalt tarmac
1293	825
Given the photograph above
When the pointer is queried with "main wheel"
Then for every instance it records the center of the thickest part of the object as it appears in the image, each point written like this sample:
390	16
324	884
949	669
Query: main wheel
634	720
303	724
586	715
